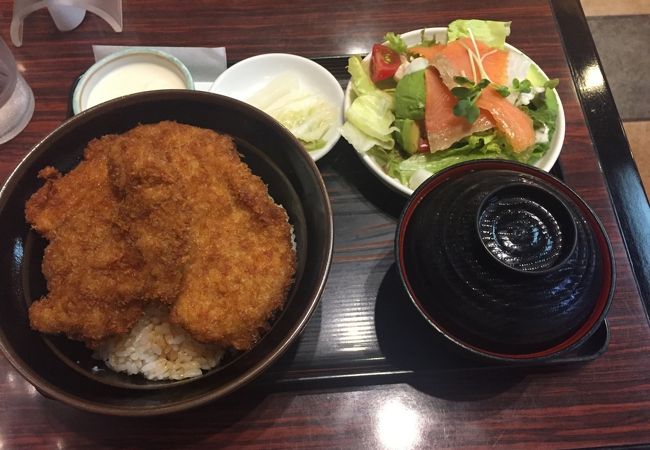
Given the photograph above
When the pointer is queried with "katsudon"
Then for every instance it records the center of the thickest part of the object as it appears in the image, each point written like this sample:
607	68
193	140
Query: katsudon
161	229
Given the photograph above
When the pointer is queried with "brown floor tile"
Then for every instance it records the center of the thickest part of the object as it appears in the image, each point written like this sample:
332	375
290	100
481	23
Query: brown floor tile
622	43
638	135
615	7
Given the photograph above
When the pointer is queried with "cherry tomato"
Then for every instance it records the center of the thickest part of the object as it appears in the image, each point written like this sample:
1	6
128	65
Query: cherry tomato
384	63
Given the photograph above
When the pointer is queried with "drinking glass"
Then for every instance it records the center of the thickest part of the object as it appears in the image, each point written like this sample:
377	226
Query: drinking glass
16	97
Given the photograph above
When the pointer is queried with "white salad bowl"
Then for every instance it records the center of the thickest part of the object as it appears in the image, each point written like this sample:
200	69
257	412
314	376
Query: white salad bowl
247	77
440	34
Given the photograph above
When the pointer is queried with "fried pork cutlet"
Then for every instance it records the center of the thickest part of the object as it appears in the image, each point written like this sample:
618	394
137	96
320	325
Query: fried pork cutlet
152	210
93	274
191	190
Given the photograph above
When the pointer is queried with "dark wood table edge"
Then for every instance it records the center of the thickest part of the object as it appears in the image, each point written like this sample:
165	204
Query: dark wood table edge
626	192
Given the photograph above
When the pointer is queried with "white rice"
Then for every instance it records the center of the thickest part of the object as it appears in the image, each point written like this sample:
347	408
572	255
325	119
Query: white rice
158	350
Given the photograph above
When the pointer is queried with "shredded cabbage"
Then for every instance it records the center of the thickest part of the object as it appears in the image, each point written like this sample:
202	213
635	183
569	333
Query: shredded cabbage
304	113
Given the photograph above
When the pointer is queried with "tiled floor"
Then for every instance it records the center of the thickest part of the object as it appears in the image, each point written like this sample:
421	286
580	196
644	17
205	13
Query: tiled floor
615	7
621	31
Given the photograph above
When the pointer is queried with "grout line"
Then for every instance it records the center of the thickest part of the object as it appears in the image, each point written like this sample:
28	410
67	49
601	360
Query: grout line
635	120
615	16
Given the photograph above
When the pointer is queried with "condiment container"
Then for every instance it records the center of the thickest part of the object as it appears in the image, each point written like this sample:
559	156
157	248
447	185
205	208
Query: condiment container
127	72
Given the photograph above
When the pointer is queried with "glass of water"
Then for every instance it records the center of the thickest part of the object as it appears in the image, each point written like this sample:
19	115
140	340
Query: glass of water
16	97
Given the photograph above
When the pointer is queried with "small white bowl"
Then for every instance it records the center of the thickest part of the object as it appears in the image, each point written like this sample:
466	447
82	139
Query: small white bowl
127	72
249	76
440	33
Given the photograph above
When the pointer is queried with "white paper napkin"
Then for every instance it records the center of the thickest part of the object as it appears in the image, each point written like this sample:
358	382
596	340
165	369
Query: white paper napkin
205	64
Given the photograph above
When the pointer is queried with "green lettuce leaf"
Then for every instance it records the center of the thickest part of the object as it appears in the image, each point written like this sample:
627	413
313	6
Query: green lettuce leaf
389	160
369	119
543	109
360	78
361	141
491	32
372	114
486	145
395	42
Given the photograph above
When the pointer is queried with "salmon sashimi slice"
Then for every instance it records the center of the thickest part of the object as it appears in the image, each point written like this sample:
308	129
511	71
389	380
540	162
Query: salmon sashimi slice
442	125
427	52
515	124
454	60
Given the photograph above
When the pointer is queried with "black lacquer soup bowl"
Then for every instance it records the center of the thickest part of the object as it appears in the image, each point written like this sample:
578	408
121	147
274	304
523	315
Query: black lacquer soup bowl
505	260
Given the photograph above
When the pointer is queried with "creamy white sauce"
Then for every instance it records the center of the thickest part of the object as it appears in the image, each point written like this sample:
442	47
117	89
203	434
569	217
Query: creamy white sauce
132	78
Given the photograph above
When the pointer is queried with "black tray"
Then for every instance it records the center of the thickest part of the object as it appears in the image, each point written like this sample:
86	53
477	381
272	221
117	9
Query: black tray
366	329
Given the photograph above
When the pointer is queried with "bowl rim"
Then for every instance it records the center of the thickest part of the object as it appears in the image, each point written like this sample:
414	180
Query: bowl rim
549	158
279	57
45	387
605	297
132	52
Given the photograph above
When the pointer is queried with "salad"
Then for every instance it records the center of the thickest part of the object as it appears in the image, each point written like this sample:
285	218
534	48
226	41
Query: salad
449	98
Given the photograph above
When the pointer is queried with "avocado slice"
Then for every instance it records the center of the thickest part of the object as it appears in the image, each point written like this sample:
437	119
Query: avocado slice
408	135
410	96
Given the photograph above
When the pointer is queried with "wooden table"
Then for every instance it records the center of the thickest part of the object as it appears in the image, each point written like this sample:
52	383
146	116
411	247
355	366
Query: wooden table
598	403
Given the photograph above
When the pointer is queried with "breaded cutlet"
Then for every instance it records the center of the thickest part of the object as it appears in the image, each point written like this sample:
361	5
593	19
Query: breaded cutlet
162	213
93	274
239	261
152	211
